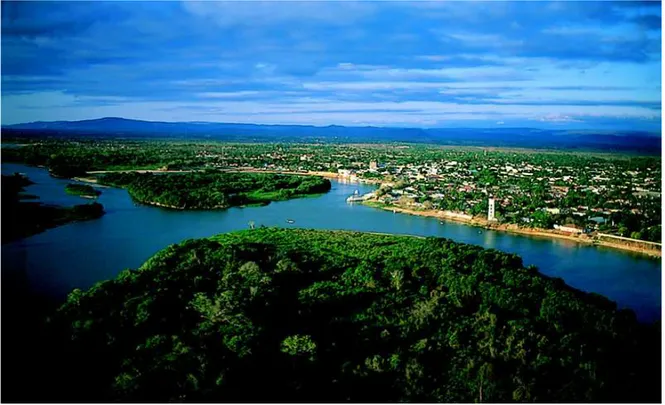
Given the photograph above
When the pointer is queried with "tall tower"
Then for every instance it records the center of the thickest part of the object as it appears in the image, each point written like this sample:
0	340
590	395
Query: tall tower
490	210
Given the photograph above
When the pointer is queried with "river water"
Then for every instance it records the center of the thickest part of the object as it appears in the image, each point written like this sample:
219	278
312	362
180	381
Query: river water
80	254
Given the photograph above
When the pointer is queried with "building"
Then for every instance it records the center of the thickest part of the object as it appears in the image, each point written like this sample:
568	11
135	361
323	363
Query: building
568	228
490	210
373	166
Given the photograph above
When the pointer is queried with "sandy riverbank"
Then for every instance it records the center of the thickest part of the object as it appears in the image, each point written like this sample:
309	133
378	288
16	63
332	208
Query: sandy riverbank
91	180
156	204
513	228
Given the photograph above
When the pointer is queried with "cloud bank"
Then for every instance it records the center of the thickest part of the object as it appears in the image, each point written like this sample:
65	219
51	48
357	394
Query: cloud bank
428	64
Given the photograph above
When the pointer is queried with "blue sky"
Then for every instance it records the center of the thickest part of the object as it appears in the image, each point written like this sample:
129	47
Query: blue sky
418	64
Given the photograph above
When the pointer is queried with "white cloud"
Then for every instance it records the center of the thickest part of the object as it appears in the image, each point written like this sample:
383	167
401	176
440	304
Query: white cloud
371	86
483	40
573	31
230	94
386	73
323	111
268	13
345	66
558	118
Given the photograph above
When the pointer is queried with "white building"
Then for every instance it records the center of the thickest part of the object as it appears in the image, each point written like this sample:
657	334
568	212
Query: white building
490	210
568	228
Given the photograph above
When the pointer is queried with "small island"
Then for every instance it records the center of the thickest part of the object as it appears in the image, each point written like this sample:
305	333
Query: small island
82	190
214	190
26	218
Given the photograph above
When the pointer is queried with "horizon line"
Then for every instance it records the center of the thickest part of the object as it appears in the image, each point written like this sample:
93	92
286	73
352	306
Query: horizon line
497	126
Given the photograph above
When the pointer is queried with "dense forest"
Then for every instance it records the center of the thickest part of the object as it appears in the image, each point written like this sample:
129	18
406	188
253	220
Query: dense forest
211	190
299	315
25	218
83	190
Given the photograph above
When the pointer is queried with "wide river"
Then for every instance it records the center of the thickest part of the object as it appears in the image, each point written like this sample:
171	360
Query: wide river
80	254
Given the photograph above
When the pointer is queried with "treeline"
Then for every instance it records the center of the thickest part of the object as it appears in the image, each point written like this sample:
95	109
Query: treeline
272	315
211	190
75	157
21	219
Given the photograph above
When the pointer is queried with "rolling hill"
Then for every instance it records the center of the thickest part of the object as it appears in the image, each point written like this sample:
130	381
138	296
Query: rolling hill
624	141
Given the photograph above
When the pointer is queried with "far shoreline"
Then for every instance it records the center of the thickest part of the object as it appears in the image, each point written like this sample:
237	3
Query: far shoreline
515	229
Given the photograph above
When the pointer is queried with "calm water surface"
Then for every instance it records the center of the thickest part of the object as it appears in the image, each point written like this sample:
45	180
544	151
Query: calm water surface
80	254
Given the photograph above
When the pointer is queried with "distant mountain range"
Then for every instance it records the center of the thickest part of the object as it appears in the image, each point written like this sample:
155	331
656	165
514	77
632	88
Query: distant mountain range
626	141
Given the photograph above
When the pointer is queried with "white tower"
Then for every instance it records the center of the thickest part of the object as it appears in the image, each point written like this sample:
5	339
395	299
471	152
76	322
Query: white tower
490	210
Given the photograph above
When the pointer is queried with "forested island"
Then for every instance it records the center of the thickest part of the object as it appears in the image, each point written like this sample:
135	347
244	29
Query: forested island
82	190
273	315
213	190
25	218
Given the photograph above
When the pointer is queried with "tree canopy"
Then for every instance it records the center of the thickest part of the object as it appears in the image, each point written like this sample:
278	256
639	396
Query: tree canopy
210	189
300	315
85	190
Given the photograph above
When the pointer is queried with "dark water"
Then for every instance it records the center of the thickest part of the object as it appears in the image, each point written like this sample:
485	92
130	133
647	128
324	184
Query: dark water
80	254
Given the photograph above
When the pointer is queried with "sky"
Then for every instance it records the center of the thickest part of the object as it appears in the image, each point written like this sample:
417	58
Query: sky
570	64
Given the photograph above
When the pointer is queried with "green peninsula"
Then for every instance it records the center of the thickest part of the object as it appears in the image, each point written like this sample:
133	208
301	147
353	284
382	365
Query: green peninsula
274	315
21	218
213	190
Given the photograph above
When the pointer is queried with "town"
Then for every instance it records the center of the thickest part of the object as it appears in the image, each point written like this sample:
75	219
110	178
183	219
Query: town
620	198
615	195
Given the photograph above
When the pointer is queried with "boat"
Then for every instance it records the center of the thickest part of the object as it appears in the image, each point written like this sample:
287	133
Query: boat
441	222
290	221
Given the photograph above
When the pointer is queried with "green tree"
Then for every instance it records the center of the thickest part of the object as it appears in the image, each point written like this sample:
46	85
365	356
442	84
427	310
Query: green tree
299	346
